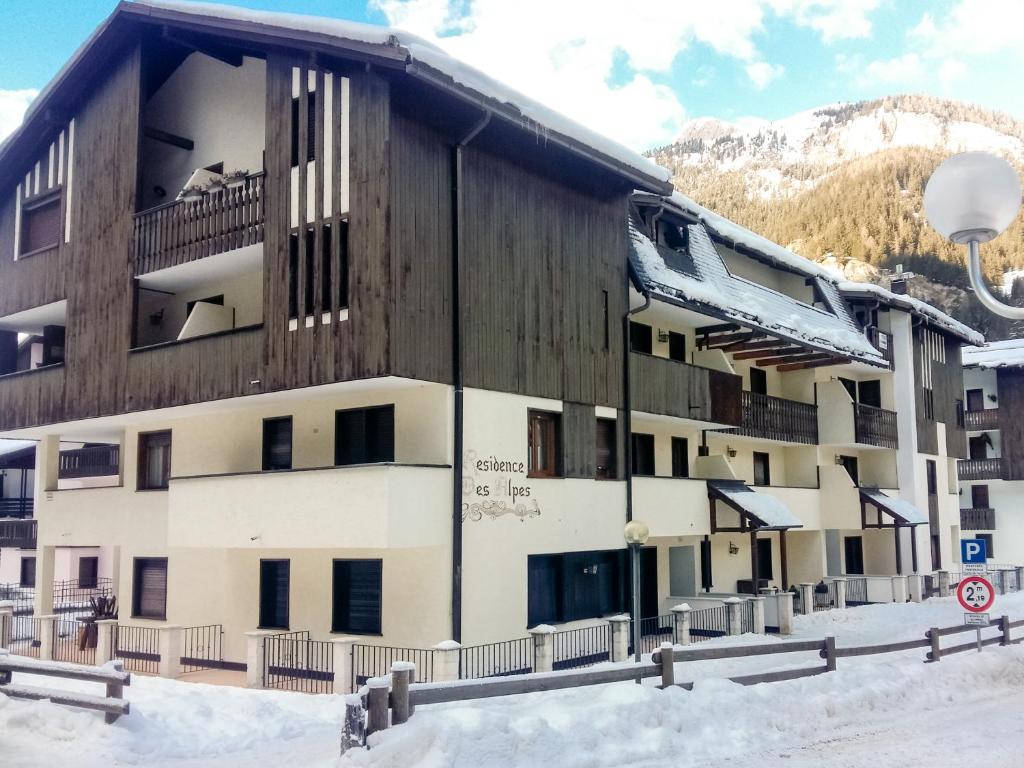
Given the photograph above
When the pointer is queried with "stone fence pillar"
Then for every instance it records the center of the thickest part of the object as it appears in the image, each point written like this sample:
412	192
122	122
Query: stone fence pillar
344	674
255	657
840	593
915	587
807	598
620	637
899	589
759	615
47	626
681	615
105	640
784	601
6	623
446	661
543	648
943	583
172	639
735	608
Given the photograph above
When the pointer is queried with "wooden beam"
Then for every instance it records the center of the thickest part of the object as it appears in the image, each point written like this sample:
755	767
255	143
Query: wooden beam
783	558
802	356
813	364
742	346
753	561
728	339
781	354
169	138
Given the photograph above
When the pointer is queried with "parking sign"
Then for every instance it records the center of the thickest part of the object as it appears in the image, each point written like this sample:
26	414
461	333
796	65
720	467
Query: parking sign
973	555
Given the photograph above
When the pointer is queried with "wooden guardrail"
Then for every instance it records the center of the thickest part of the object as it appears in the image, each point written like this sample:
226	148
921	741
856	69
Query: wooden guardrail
392	699
111	674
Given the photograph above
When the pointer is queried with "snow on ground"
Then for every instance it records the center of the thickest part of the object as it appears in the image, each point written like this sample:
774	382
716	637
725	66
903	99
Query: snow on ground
874	712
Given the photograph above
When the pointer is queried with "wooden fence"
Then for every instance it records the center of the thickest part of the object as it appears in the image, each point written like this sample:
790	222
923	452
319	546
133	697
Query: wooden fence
391	700
112	675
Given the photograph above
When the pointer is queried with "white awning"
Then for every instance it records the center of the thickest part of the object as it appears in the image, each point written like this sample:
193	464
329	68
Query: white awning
764	511
903	512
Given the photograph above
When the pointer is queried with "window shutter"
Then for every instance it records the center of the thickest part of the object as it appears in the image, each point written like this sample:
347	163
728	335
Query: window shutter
277	443
28	572
88	570
544	589
150	590
275	579
606	449
40	226
357	596
680	457
350	437
380	434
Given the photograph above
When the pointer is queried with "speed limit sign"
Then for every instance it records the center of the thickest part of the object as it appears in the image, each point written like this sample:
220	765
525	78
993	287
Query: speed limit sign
975	594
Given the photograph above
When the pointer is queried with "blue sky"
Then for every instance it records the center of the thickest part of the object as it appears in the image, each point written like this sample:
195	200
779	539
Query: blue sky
638	71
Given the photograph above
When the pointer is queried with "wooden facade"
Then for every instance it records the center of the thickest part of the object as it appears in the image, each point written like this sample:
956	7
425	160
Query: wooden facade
672	388
938	392
1010	385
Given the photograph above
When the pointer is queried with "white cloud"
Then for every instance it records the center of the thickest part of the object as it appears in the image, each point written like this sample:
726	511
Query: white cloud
973	28
12	108
833	19
761	73
602	64
901	69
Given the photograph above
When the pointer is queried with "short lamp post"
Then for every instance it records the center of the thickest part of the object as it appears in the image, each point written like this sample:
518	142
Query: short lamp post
970	199
636	534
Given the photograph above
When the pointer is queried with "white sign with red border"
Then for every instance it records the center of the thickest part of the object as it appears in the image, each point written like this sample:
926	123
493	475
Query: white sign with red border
975	594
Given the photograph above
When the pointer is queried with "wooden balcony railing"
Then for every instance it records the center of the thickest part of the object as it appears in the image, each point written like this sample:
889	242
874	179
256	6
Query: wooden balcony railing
982	420
881	341
673	388
977	519
875	426
95	461
980	469
179	232
776	418
18	533
16	507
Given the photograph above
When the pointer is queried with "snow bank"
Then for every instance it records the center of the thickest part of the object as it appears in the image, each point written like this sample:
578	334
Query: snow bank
995	354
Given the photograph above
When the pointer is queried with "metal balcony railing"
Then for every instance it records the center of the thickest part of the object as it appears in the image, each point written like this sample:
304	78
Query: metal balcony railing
875	426
776	418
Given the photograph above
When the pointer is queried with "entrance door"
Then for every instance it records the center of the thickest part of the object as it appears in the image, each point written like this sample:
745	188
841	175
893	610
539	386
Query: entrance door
648	582
682	573
764	559
854	550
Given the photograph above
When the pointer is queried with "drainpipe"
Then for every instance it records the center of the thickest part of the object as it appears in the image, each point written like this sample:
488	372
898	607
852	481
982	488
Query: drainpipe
627	425
458	413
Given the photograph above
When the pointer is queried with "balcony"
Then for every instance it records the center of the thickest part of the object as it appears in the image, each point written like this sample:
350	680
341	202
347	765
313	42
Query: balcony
980	421
16	507
775	418
875	426
94	461
672	388
980	469
18	533
181	231
977	519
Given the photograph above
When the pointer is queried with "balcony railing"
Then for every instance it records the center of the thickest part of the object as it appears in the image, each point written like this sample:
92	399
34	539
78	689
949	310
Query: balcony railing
982	420
980	469
673	388
18	533
775	418
95	461
881	341
875	426
16	507
977	519
180	231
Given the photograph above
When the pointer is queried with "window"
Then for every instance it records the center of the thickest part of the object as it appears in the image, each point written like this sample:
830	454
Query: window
40	224
850	465
310	129
293	276
641	338
88	572
850	386
680	457
607	466
978	446
975	400
854	550
958	406
275	580
762	469
979	497
308	272
677	346
929	470
277	443
575	585
871	393
987	538
758	381
643	454
364	435
357	596
764	559
545	444
28	572
149	588
929	404
154	461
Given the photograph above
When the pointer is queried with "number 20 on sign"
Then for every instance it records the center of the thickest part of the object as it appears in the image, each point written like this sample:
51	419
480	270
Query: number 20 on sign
975	594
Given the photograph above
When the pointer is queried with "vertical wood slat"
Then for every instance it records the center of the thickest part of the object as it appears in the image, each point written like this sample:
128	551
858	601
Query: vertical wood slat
338	174
318	195
303	168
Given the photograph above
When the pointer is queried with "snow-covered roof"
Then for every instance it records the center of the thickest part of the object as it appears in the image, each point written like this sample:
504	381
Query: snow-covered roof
706	280
420	53
764	510
915	306
995	354
902	511
11	446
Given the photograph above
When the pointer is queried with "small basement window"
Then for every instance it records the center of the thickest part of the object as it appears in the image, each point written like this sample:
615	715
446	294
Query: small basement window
40	227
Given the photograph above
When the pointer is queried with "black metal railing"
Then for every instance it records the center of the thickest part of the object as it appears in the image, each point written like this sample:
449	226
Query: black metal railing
94	461
776	418
574	648
706	623
376	660
511	657
978	519
746	617
26	635
18	533
875	426
977	421
294	662
202	647
16	507
654	631
74	641
980	469
137	647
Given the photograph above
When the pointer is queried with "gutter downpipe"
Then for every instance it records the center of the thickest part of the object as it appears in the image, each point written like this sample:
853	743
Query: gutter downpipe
458	408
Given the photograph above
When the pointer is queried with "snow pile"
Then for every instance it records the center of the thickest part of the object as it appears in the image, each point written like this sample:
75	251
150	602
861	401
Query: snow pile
995	354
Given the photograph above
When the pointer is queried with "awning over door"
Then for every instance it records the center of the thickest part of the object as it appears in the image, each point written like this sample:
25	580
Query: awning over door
902	512
760	511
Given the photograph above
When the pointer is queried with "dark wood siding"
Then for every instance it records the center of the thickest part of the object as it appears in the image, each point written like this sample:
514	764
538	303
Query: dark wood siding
579	440
927	434
947	387
668	387
1010	383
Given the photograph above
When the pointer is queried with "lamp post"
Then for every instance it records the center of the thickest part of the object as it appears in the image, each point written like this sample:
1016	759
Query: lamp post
636	534
970	199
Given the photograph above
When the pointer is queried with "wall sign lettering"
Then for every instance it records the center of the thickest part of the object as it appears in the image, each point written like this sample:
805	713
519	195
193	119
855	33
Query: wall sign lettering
494	486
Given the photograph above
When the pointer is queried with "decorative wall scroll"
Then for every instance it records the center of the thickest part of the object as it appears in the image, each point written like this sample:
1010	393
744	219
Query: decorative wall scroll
493	487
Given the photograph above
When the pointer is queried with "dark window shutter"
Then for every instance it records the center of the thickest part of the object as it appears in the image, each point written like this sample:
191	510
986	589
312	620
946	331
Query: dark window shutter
606	440
677	346
641	338
154	471
350	437
275	580
680	457
758	381
706	575
88	571
325	268
762	469
343	265
870	393
28	572
643	454
544	589
979	496
380	434
293	276
277	443
40	226
149	591
357	596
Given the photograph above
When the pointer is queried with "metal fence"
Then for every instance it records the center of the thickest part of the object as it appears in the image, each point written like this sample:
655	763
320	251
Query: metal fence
26	636
74	641
746	616
825	596
202	647
706	623
511	657
138	647
654	631
857	592
294	662
574	648
375	661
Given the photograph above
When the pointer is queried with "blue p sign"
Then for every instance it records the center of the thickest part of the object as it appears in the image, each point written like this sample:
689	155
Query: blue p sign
972	551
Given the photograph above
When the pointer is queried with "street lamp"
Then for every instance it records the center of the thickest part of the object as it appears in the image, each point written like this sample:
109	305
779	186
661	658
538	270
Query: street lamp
636	534
970	199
